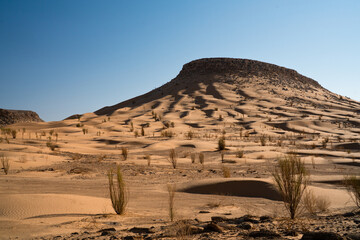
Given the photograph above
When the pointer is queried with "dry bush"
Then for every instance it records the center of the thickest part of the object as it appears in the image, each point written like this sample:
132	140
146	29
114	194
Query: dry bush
193	157
314	204
118	192
171	190
291	179
352	184
221	143
239	153
189	134
202	158
5	163
167	133
51	145
263	140
136	133
142	131
173	158
124	152
76	156
148	158
226	171
13	133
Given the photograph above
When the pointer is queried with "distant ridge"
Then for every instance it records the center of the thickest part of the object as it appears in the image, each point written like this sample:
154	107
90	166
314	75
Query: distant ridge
8	117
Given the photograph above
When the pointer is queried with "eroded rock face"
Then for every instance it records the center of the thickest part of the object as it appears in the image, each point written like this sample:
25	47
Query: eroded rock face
8	117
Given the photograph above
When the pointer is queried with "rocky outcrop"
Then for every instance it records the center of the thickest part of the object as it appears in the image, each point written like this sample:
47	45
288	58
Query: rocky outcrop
245	68
8	117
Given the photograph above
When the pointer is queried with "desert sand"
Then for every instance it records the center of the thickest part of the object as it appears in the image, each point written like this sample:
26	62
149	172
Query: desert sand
262	110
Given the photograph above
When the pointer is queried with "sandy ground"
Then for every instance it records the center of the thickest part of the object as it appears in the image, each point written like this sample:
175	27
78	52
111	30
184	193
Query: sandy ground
54	192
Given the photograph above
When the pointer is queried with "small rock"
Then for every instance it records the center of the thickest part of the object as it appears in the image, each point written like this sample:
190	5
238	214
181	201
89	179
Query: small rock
353	236
264	234
245	225
204	211
217	219
141	230
266	219
213	227
349	214
321	236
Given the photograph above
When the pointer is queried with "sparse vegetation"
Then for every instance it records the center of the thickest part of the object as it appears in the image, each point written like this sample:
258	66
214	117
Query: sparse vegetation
167	133
189	134
51	145
148	158
171	190
221	143
239	153
173	158
13	133
124	152
226	171
352	184
193	157
314	204
291	179
263	140
118	191
201	158
5	163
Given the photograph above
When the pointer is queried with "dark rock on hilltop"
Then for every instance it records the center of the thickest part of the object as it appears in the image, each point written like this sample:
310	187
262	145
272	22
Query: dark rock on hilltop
8	117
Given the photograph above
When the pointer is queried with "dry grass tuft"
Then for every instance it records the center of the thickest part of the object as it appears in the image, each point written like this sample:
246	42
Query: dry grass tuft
171	190
173	158
221	143
118	192
124	153
352	184
5	163
226	171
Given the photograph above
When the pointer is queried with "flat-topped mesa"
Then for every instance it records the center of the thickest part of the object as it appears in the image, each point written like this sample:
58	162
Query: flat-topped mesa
8	117
245	68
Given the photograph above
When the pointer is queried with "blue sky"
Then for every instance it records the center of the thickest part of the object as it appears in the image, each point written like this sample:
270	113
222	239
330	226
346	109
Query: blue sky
64	57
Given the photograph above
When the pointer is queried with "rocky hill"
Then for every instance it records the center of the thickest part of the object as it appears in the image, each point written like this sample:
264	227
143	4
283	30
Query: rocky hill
8	117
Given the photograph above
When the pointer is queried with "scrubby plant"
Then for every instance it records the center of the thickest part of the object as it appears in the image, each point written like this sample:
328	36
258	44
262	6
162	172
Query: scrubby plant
263	140
51	145
325	142
13	133
118	191
314	204
173	158
352	184
85	131
5	163
136	133
201	158
291	179
171	190
148	158
239	153
226	171
142	131
167	133
131	126
193	157
221	143
189	134
124	152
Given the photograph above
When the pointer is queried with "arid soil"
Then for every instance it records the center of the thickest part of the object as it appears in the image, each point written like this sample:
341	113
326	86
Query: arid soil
57	186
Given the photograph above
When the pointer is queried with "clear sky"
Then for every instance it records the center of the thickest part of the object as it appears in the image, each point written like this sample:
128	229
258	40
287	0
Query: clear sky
64	57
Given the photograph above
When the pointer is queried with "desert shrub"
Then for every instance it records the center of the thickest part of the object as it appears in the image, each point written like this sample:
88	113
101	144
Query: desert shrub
201	158
189	134
148	158
124	152
5	163
325	142
167	133
13	133
239	153
171	190
193	157
118	191
85	131
352	184
221	143
131	126
291	179
173	158
172	124
314	204
142	131
136	133
79	125
226	171
51	145
221	118
263	140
